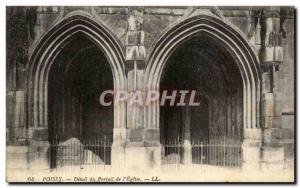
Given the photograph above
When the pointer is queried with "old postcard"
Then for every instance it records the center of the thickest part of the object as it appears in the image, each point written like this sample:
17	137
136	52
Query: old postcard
150	94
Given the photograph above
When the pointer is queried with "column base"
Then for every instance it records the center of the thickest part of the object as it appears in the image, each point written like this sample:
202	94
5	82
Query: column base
118	148
140	156
251	148
17	157
39	157
251	155
273	150
272	158
187	154
38	154
118	156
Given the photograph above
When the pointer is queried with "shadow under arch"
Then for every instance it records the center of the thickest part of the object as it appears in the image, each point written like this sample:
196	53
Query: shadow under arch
47	49
231	39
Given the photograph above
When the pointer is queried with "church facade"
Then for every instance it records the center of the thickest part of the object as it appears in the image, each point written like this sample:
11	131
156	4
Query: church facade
240	62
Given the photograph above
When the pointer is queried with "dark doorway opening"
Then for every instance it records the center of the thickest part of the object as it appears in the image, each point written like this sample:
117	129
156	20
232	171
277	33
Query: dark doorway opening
202	64
80	73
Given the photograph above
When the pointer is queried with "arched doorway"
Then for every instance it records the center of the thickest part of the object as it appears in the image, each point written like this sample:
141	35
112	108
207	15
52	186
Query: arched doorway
202	65
78	76
61	105
229	65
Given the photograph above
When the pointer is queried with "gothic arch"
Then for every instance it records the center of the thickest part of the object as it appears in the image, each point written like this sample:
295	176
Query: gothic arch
50	45
230	38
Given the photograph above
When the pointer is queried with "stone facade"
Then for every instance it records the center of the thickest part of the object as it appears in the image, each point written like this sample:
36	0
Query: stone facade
137	42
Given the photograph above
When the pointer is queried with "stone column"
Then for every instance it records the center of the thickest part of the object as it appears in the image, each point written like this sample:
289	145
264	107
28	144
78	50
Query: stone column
187	146
252	148
119	136
39	152
140	152
135	59
271	58
38	138
17	148
16	117
39	148
17	58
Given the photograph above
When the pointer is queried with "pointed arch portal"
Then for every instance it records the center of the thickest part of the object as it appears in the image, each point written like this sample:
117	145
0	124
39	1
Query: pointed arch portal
207	54
226	37
55	72
51	45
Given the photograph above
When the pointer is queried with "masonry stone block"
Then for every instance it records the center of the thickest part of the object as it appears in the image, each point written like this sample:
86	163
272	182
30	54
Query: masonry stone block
17	157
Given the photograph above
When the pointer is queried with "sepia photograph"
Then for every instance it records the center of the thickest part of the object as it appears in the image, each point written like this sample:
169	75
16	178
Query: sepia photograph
150	94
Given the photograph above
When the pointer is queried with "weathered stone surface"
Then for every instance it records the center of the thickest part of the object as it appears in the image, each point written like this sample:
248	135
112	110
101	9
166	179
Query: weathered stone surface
272	136
16	157
152	135
40	134
38	156
138	157
272	158
136	133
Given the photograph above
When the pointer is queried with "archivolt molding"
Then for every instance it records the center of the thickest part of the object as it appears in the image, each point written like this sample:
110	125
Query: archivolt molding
230	38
